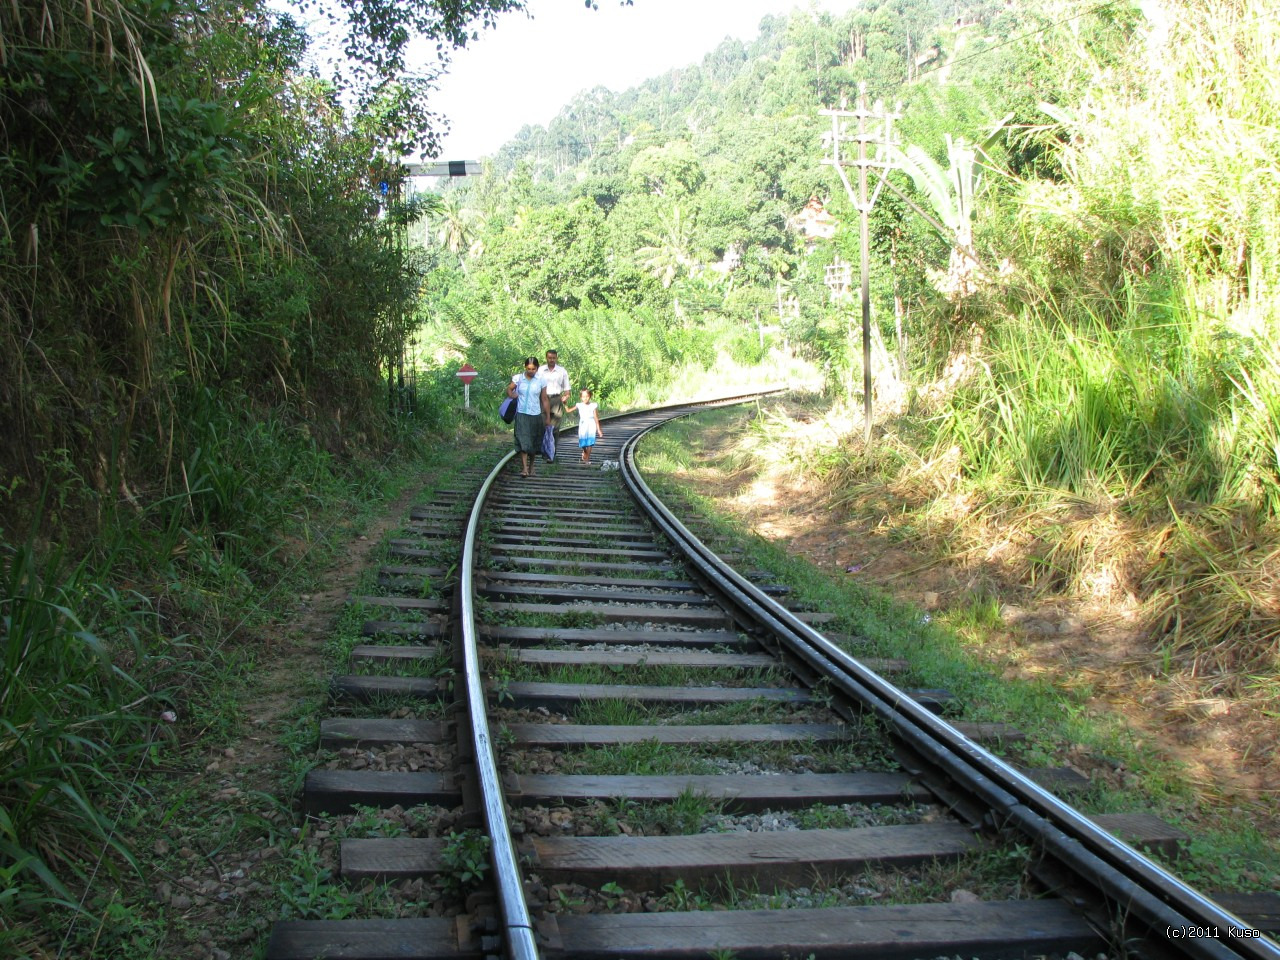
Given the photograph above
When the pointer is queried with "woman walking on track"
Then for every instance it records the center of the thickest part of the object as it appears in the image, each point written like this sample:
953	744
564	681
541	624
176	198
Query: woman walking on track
588	423
532	413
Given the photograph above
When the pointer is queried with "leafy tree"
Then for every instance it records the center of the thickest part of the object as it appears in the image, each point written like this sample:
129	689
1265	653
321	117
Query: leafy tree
670	171
550	256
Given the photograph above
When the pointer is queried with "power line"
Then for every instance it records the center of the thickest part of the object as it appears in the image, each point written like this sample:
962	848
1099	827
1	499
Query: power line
1021	37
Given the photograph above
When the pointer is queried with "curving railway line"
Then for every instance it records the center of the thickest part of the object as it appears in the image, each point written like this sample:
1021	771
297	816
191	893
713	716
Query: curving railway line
668	761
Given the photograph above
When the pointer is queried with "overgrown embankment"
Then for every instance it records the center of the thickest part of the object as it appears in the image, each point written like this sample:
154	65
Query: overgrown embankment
126	664
1090	415
202	286
1100	415
1116	433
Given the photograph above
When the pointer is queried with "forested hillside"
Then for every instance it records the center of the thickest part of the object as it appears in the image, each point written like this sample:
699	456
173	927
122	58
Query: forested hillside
682	201
1072	275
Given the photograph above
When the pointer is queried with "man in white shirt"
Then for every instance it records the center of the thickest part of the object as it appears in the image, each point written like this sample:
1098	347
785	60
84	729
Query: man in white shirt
556	378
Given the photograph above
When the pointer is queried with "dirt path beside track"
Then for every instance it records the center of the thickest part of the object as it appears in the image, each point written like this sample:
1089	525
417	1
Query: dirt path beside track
1229	748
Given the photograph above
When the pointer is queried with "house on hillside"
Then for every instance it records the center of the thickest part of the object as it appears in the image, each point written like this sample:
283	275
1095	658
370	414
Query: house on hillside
730	262
814	223
928	56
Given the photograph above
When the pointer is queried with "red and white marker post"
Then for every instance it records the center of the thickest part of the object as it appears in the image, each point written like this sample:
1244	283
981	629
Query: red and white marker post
466	373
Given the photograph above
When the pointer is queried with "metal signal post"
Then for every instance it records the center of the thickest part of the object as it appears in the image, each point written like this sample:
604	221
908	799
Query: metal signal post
444	168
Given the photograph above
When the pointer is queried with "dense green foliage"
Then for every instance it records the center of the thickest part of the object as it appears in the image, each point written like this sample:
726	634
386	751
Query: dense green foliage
184	207
678	200
200	286
1073	269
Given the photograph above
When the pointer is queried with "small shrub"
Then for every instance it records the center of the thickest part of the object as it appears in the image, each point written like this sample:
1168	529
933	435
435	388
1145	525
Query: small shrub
465	860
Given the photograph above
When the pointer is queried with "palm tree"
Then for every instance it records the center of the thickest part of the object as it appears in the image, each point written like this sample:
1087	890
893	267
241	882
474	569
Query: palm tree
459	230
668	253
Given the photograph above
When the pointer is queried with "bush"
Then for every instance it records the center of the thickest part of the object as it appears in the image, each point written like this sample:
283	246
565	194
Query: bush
748	348
73	724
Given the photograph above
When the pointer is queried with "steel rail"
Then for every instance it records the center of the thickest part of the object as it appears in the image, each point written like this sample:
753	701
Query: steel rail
517	924
516	921
1129	880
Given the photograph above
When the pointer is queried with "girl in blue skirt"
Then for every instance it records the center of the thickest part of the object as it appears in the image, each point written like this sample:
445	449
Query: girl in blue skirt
588	423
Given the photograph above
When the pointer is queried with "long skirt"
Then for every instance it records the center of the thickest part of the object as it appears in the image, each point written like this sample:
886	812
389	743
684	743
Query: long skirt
528	432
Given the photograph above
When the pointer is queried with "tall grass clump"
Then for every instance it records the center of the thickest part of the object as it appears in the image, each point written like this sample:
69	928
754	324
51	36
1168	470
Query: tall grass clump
1168	177
116	656
1122	428
74	726
1117	436
1133	459
1159	403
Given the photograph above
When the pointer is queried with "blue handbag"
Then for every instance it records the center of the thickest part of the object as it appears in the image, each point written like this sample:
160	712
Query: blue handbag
507	410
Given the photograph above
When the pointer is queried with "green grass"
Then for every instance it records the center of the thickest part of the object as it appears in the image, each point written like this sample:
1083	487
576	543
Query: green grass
747	711
372	611
569	619
947	652
102	783
647	674
991	874
655	759
689	813
825	817
420	588
437	665
393	704
613	713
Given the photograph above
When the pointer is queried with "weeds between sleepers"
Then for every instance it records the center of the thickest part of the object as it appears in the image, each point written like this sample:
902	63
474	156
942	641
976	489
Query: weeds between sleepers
437	665
692	813
649	674
651	758
616	711
747	711
985	875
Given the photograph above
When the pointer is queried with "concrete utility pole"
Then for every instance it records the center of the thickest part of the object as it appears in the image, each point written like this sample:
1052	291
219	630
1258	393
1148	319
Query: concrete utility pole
838	277
883	139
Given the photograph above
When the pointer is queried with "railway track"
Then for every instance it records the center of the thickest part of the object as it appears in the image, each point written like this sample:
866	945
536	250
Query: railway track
657	758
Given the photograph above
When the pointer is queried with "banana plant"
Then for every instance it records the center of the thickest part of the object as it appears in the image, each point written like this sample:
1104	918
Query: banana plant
952	192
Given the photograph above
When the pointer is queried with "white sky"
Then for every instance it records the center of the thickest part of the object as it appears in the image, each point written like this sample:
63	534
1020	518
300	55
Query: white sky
525	70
